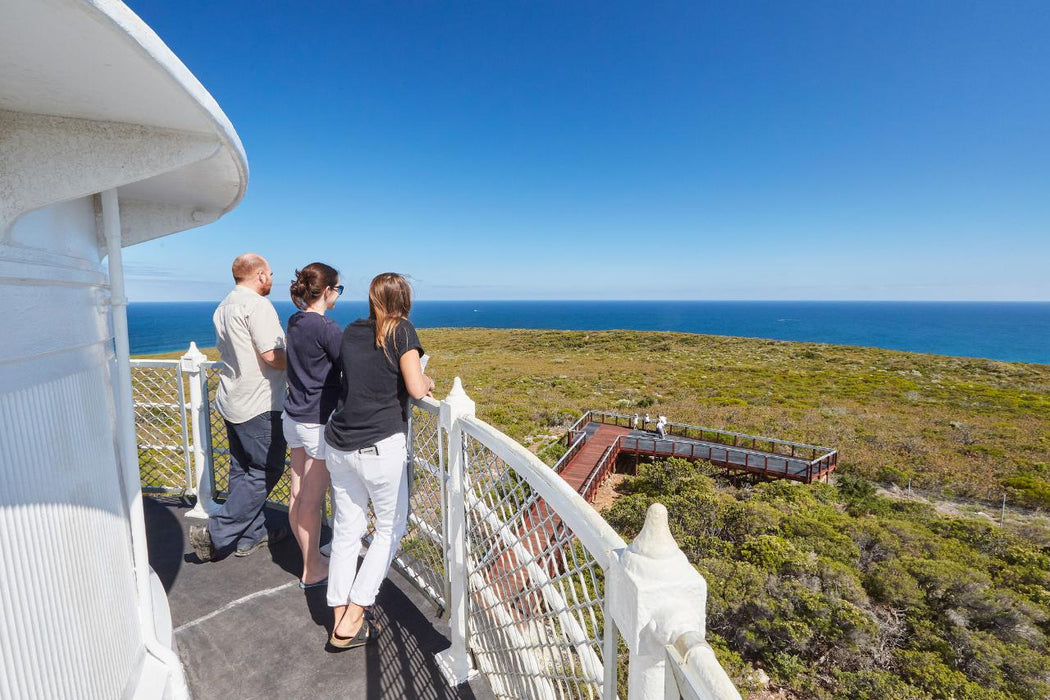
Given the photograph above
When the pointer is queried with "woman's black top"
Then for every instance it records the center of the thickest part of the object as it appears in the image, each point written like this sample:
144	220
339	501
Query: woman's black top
373	400
313	367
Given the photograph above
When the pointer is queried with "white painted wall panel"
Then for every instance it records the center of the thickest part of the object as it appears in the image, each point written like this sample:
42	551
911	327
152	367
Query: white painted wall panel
66	580
68	616
65	228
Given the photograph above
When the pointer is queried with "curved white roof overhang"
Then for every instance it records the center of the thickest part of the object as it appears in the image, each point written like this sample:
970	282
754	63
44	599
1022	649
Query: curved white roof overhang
90	100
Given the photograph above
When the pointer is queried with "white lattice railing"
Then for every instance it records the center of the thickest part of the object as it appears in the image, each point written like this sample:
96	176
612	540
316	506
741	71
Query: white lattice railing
543	597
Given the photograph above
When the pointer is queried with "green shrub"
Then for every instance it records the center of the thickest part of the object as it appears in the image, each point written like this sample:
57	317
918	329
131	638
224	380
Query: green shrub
1030	490
889	583
907	603
876	685
768	552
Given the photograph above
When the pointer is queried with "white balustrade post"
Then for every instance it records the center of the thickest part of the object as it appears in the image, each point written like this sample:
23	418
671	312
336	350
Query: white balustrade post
454	662
200	429
657	598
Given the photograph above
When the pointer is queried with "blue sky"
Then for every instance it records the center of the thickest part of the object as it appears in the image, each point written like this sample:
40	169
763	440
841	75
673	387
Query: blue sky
614	150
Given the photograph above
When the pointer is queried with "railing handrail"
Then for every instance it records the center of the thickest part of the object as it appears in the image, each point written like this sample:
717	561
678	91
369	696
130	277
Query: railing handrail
599	466
596	534
777	441
569	453
428	404
154	363
582	421
721	445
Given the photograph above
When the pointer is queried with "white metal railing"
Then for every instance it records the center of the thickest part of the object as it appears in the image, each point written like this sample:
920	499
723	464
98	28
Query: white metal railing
162	428
541	593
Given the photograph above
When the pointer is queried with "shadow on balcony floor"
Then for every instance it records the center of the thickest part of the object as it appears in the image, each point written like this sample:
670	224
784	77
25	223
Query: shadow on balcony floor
244	629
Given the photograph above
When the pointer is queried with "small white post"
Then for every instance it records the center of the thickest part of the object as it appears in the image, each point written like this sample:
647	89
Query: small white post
200	429
454	662
656	598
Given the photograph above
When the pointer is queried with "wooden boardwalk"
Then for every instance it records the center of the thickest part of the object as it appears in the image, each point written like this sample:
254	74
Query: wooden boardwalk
592	461
600	437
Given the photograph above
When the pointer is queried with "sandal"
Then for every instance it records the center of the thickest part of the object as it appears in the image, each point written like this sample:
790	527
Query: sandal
364	635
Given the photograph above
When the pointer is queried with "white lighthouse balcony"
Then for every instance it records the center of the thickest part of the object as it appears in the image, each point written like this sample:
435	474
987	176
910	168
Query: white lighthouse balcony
508	583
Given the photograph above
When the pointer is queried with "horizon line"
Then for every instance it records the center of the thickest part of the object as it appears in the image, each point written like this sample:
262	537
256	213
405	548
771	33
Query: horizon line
667	300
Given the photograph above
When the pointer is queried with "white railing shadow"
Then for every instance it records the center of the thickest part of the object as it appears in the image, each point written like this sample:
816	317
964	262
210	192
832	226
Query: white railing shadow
543	597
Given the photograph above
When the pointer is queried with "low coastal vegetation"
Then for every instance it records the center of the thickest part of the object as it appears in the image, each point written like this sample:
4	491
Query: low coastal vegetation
831	590
957	426
826	590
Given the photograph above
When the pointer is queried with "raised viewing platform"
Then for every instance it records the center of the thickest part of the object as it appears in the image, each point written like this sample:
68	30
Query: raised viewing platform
507	584
598	439
244	628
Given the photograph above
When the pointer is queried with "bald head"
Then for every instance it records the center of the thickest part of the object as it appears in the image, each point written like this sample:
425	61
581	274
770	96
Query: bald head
251	270
245	266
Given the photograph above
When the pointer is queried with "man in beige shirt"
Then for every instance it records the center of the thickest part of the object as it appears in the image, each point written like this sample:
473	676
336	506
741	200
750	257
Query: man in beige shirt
249	398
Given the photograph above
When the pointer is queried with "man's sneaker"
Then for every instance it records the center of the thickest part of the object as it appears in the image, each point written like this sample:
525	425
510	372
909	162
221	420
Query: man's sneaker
200	540
271	537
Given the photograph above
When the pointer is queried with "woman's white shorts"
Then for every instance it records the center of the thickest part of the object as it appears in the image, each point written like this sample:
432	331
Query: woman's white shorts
306	435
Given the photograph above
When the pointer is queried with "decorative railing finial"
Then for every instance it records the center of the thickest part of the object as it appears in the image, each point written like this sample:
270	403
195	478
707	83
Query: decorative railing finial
655	540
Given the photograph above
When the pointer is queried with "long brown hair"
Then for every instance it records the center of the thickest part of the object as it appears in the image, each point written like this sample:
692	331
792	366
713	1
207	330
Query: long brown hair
389	301
311	282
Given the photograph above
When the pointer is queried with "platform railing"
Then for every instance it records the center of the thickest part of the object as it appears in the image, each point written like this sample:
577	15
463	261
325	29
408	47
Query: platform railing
161	408
575	445
543	597
814	454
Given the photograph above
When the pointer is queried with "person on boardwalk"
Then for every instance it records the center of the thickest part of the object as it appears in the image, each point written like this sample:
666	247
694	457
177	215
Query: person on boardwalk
249	398
661	424
313	390
367	451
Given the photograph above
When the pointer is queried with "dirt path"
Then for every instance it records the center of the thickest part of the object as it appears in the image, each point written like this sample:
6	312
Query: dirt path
607	495
1034	523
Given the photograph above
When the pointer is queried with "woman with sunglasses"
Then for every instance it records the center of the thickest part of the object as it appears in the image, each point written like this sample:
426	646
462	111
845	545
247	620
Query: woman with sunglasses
313	390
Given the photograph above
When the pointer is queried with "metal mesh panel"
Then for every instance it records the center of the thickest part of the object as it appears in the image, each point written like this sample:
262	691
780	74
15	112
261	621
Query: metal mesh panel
160	426
220	441
536	622
422	553
220	446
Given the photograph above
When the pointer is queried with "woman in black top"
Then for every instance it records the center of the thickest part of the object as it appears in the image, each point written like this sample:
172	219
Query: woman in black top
367	451
313	389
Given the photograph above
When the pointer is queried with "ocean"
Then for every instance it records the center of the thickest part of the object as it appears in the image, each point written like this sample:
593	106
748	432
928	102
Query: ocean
1011	331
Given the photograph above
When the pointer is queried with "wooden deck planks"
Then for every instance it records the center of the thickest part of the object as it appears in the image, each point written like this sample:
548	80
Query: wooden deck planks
580	466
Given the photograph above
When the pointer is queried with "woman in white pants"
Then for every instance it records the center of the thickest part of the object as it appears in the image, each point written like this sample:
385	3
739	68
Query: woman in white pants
367	451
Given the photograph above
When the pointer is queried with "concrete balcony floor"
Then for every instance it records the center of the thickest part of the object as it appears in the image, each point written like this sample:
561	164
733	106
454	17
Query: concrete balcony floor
244	628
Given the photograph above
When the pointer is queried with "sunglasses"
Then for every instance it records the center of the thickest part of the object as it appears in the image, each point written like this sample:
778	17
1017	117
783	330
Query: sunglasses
338	289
